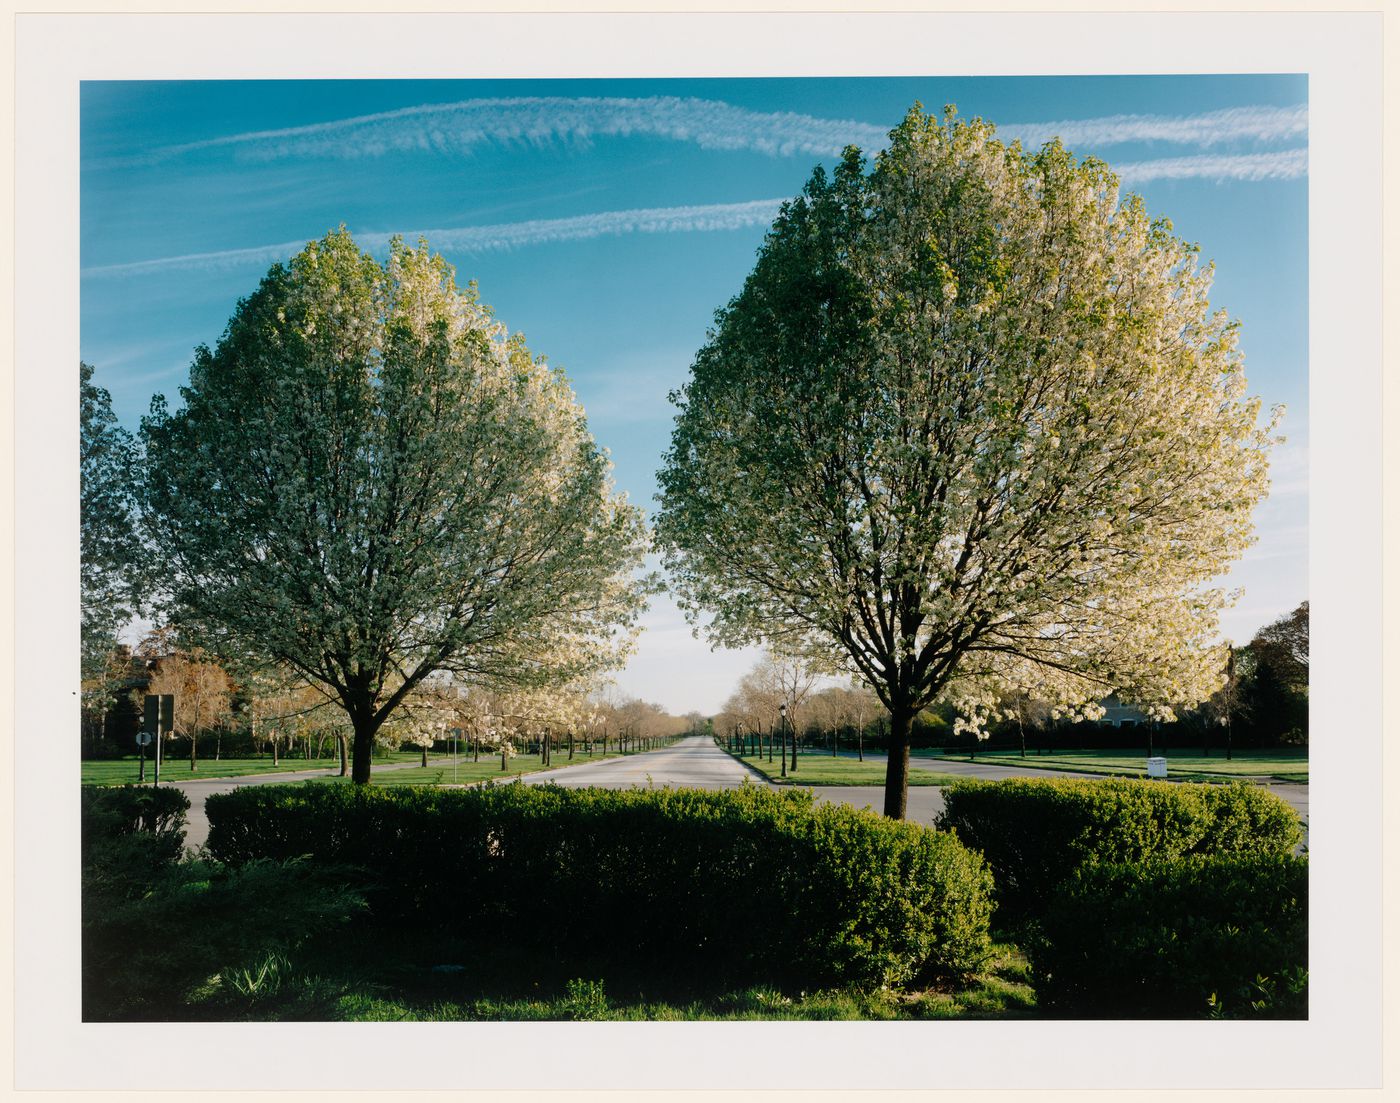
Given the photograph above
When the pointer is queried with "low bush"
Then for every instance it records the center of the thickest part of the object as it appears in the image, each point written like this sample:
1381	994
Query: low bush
1037	833
110	812
1205	936
130	836
744	884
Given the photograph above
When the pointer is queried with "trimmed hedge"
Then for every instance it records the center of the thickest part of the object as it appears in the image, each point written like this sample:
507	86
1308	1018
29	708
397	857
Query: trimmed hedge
743	884
1036	833
1224	935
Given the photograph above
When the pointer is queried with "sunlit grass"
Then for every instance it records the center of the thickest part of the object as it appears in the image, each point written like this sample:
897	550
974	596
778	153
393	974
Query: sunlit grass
125	771
467	772
1271	764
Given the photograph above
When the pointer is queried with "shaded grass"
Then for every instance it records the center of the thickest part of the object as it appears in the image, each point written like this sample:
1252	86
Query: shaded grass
818	769
1244	765
464	983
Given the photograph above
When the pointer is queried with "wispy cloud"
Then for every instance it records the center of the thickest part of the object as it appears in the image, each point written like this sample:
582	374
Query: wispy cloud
1288	164
1234	124
459	128
539	120
480	239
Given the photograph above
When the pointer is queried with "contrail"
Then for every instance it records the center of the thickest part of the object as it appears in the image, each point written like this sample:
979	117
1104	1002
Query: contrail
480	239
1288	164
1282	165
458	128
538	120
1259	124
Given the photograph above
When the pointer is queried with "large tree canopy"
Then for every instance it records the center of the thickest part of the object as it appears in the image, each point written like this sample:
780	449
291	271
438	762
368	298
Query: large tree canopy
370	480
971	426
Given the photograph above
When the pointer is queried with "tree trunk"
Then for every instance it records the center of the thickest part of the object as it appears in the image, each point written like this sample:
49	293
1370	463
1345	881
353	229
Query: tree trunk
194	751
1021	724
897	767
344	746
363	755
571	744
424	749
860	741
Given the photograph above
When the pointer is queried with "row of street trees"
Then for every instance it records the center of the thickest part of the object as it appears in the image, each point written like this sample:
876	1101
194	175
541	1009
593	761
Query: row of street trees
1262	703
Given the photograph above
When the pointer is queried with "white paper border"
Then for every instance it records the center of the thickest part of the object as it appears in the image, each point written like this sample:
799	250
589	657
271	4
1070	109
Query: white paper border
1338	1047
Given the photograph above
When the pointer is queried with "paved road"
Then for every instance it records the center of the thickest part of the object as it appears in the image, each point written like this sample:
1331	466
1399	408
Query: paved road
693	763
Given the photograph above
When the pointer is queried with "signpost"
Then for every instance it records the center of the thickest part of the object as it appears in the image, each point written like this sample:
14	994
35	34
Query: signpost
159	719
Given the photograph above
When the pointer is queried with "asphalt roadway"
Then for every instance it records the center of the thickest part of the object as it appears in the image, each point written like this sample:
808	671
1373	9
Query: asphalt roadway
695	762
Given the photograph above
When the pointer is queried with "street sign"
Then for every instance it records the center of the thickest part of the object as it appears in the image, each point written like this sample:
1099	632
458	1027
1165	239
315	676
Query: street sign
143	737
160	713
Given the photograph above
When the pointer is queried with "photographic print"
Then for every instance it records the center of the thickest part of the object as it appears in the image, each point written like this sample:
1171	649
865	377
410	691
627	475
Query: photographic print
697	552
494	476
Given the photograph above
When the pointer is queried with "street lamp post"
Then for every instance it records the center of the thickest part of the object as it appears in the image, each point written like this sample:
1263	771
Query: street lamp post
782	721
794	746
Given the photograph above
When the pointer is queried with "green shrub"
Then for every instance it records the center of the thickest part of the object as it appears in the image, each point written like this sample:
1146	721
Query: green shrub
1036	833
112	812
1220	936
130	837
744	884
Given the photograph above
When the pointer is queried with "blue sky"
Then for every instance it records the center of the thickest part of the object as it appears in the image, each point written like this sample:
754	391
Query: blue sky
609	219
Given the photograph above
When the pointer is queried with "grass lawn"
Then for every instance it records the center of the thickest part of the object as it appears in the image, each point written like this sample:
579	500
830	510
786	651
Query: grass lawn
469	772
1272	765
123	771
822	769
439	771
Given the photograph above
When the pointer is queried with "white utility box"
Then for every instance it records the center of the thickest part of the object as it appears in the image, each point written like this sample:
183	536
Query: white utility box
1157	767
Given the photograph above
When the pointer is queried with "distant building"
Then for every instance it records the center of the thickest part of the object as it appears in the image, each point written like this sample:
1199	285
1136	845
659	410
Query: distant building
1118	715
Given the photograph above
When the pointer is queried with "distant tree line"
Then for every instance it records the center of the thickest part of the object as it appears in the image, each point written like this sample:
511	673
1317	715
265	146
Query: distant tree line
1264	704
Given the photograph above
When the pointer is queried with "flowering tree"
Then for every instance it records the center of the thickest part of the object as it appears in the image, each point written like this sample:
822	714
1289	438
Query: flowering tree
371	481
970	426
